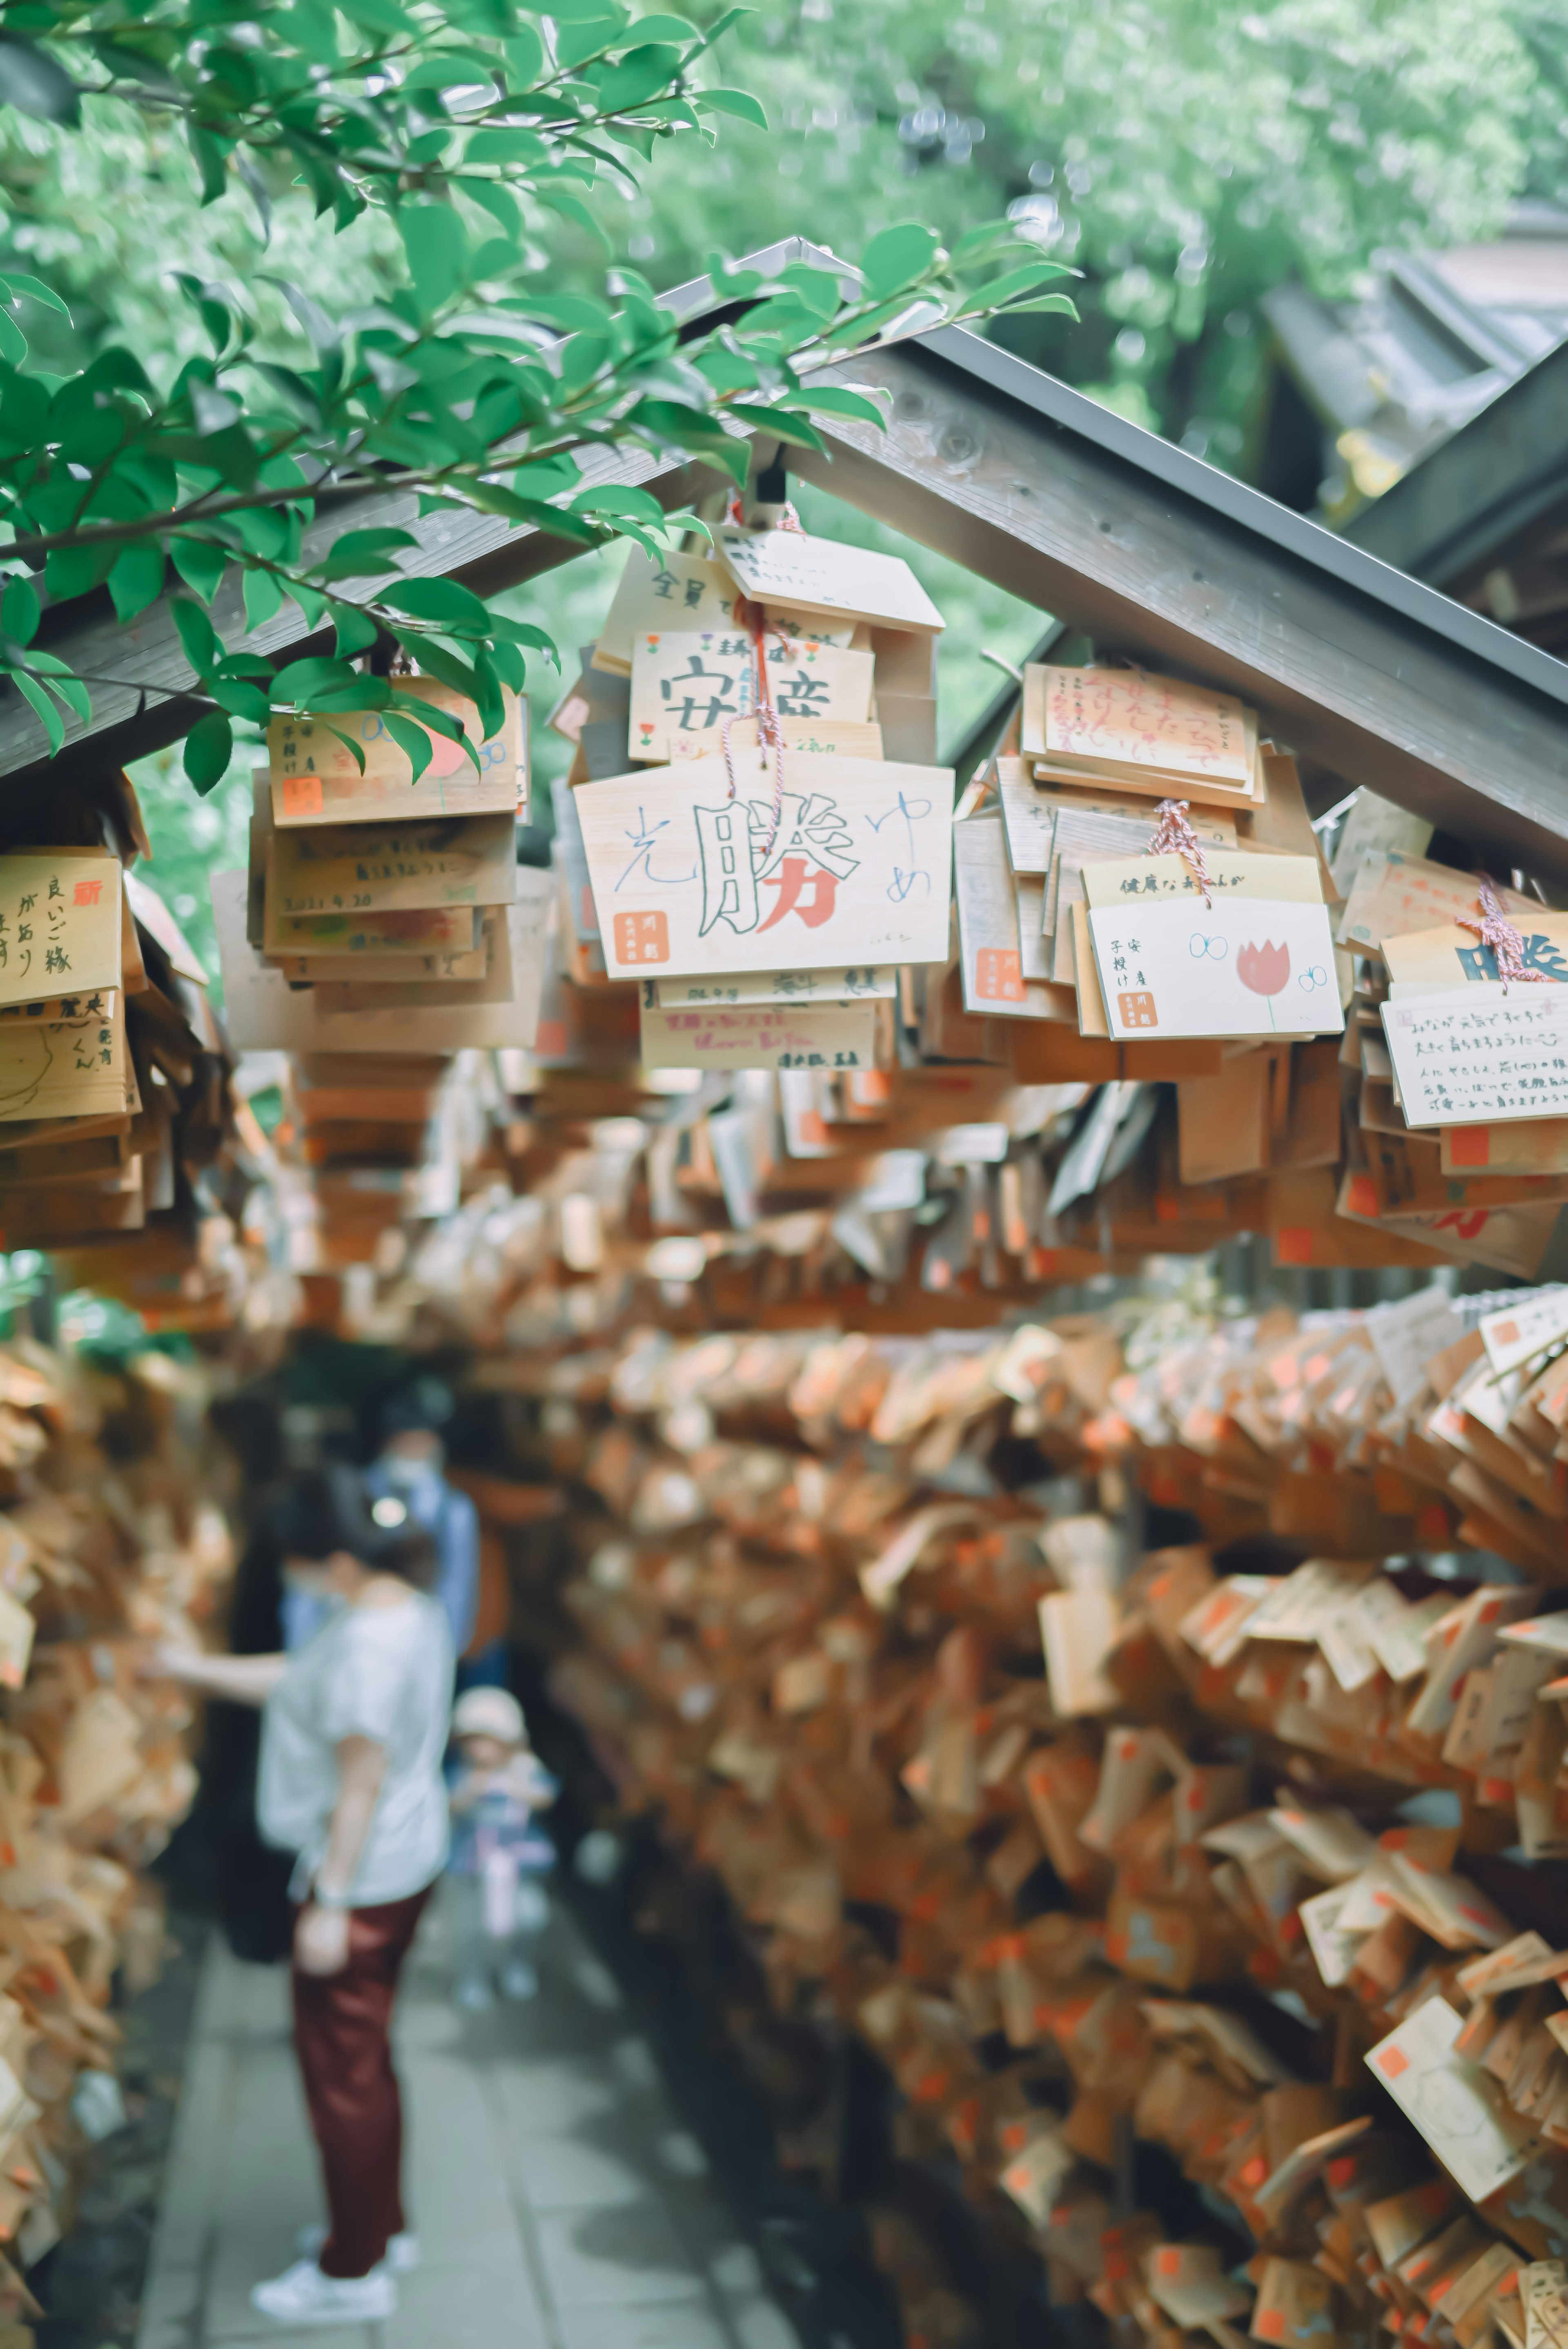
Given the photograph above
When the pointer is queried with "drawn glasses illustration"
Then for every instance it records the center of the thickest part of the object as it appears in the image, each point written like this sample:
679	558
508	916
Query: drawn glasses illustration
1200	947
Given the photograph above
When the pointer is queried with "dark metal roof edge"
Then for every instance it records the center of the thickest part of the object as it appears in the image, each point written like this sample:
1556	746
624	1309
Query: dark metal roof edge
1543	481
1344	564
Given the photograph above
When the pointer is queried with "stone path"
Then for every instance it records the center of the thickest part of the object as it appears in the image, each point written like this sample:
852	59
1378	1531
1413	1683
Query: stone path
559	2202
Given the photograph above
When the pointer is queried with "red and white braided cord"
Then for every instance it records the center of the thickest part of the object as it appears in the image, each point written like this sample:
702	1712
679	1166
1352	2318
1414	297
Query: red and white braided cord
1174	836
1495	930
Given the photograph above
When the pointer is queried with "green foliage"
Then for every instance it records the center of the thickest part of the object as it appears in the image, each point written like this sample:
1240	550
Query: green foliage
256	454
1187	155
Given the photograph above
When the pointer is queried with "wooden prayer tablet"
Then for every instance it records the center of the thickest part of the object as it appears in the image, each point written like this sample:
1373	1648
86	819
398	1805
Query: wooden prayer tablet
854	868
1151	734
316	780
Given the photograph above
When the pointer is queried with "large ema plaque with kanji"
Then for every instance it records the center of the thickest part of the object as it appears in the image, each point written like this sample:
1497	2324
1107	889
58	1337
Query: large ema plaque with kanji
851	865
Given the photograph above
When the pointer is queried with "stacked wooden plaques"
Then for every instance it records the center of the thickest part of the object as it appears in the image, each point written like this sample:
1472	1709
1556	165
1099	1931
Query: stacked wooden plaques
106	1541
382	930
383	915
765	874
1219	1961
114	1104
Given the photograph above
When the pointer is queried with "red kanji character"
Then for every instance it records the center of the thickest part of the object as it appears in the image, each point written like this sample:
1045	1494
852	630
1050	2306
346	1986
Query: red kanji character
790	880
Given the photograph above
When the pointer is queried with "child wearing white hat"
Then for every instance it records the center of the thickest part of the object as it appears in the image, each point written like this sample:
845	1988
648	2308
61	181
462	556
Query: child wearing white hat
499	1852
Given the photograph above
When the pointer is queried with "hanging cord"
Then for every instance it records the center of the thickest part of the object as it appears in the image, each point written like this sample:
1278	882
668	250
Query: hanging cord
770	732
1174	836
1495	930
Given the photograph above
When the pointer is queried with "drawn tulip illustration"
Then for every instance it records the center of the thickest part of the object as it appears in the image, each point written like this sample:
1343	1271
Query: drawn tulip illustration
1264	970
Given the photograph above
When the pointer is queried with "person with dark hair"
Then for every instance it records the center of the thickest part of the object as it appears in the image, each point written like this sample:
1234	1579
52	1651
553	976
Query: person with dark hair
408	1469
353	1734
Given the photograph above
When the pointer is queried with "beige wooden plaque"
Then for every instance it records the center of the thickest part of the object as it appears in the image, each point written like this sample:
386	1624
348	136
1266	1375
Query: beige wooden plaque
315	777
59	922
382	868
854	866
687	686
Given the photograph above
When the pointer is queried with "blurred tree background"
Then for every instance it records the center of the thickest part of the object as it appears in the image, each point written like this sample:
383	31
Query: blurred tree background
1185	155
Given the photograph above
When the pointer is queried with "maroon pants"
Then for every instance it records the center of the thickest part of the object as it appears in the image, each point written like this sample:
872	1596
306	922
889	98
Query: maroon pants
341	2035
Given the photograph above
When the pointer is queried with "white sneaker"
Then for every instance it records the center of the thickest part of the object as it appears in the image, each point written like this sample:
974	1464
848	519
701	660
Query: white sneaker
518	1982
303	2295
402	2250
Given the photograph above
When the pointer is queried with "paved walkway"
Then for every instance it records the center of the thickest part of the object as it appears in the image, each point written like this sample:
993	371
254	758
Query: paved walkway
560	2203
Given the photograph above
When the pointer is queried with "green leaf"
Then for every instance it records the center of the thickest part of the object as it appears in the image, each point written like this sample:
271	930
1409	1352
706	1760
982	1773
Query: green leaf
572	208
510	665
441	601
199	639
492	497
302	679
819	289
783	425
492	705
379	16
525	55
662	28
33	83
325	338
32	692
20	609
211	161
263	596
673	419
136	581
412	739
438	721
199	564
75	570
991	235
642	73
241	698
721	25
739	102
547	477
576	42
586	12
355	630
1062	303
521	632
501	145
438	662
832	400
211	303
349	744
70	689
577	313
369	544
36	289
452	68
209	747
637	505
13	341
496	19
437	244
1021	281
897	257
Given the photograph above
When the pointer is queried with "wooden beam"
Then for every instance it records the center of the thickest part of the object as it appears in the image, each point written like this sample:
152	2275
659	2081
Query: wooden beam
1364	673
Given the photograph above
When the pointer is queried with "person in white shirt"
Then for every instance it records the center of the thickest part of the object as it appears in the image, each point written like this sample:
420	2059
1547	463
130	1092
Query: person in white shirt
354	1729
